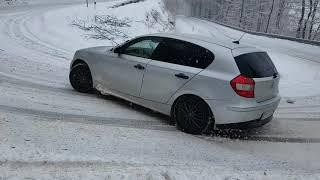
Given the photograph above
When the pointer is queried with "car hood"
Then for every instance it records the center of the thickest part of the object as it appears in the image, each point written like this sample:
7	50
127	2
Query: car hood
98	49
87	52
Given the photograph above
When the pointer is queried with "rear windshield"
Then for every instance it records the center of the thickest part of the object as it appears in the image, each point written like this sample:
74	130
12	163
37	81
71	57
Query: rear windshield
256	65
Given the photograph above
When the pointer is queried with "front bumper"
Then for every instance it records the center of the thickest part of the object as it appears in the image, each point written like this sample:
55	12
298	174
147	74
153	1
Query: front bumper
227	113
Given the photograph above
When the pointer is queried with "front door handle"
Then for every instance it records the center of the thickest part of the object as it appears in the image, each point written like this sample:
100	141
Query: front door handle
139	66
182	76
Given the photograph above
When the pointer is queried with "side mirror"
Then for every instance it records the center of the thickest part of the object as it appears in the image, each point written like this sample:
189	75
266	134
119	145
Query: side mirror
117	50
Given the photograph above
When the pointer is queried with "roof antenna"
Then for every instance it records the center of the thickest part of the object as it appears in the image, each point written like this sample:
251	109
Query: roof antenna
238	41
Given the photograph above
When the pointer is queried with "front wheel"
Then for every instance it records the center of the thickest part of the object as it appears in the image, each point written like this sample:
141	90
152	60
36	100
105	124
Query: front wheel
80	78
192	115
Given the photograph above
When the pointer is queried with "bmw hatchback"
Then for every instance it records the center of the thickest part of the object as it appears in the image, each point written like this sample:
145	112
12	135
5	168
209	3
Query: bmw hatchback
199	81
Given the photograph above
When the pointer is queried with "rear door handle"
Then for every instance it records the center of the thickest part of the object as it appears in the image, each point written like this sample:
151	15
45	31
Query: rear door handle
182	76
139	66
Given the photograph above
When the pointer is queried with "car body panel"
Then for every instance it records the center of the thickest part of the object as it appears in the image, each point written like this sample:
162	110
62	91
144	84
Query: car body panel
111	70
266	88
158	73
230	112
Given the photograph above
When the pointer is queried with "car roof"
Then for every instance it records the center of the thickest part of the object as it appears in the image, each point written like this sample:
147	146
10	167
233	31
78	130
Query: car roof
194	38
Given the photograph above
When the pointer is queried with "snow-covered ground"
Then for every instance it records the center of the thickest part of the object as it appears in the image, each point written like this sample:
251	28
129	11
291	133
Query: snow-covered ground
9	3
49	131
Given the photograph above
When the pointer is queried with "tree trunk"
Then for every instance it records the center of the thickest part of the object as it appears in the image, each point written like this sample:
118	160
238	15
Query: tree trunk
303	9
259	23
270	15
227	13
282	5
200	9
308	17
241	13
314	11
316	33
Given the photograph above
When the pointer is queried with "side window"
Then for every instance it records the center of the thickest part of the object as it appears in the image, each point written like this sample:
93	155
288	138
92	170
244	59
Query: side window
143	48
200	57
183	53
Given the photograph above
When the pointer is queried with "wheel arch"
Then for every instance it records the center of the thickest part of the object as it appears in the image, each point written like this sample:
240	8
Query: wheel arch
186	95
78	61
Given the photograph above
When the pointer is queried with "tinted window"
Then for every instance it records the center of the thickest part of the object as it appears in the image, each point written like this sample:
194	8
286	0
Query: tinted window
183	53
141	48
256	65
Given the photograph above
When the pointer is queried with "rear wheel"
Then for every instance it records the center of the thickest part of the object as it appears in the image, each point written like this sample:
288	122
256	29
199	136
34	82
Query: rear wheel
80	78
192	115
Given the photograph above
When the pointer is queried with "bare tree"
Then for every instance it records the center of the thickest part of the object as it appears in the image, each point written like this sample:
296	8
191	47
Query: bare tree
241	13
306	21
270	14
296	18
303	9
259	23
281	9
314	11
316	32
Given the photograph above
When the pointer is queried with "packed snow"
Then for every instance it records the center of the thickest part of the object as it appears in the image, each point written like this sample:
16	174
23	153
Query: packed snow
11	3
49	131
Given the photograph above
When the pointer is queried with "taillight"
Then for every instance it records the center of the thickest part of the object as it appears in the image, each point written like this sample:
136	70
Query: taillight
243	86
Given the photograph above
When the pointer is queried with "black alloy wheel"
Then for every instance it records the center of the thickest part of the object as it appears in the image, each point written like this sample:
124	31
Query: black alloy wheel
192	115
80	78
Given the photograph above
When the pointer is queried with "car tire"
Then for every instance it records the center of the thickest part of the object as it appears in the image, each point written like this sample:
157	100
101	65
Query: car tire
192	115
80	78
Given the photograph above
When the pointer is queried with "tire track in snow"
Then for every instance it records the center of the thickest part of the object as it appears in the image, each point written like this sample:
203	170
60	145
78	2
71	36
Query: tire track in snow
69	164
15	26
299	107
300	119
65	117
19	82
121	122
143	124
274	139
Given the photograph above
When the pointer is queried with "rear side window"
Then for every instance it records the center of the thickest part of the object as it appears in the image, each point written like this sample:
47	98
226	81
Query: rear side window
256	65
183	53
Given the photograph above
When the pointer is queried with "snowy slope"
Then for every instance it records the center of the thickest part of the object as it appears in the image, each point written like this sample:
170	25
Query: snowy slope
49	131
11	3
59	23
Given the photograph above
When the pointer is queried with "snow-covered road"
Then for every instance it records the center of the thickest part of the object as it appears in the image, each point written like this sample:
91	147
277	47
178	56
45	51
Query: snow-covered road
47	130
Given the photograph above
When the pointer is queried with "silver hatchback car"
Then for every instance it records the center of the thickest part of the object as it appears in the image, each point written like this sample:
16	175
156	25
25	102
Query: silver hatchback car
200	82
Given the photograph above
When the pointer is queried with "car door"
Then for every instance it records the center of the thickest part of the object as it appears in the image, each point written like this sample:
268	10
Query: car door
123	70
173	64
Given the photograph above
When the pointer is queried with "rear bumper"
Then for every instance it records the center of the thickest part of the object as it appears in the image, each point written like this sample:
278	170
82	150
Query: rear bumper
245	112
